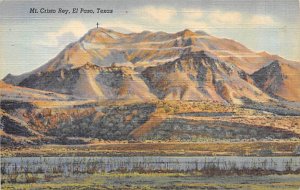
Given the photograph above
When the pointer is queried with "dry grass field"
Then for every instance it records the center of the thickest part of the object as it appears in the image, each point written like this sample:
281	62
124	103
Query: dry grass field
280	148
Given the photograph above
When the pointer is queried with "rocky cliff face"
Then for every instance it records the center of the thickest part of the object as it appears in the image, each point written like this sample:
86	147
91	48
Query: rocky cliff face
279	80
269	78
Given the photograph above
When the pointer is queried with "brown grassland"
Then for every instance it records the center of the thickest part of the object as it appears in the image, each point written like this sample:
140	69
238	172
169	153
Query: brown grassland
275	148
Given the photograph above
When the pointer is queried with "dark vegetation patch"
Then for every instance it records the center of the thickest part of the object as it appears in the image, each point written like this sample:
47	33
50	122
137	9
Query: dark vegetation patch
187	130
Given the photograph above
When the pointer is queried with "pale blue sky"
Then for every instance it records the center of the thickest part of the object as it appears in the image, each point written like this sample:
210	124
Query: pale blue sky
28	41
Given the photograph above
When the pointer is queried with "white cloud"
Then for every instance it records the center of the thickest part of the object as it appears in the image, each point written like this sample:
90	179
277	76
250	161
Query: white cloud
159	14
261	20
192	13
219	17
70	31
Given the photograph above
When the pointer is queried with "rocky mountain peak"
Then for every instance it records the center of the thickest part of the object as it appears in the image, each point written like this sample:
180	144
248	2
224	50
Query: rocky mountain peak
101	35
185	33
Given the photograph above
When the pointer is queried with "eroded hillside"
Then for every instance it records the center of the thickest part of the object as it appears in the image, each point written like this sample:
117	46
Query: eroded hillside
157	120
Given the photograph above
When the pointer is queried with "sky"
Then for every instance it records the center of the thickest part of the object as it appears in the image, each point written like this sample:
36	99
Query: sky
29	40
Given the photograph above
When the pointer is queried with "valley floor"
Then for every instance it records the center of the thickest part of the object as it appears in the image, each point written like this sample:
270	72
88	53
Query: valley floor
257	148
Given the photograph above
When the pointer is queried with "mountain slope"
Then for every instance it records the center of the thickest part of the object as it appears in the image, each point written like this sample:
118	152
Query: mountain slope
10	92
92	82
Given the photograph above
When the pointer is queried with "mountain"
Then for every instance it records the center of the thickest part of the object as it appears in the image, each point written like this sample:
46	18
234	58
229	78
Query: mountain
186	86
108	65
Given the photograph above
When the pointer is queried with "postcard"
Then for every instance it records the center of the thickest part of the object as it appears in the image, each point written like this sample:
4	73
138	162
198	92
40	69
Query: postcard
149	94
